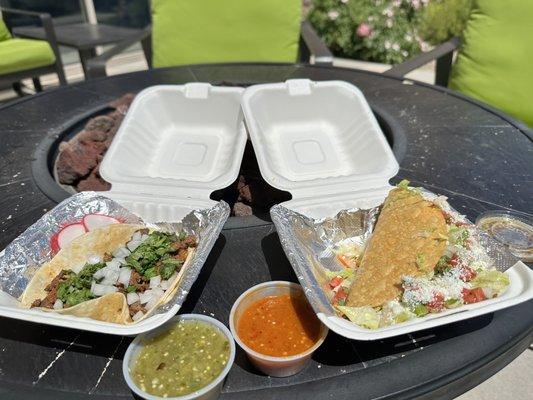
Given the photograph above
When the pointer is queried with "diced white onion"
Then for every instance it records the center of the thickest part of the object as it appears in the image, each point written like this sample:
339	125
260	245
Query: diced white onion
58	305
133	244
120	260
77	268
136	237
151	304
145	297
100	290
155	281
111	277
138	315
143	238
121	252
100	273
164	285
124	276
113	264
94	259
132	298
158	292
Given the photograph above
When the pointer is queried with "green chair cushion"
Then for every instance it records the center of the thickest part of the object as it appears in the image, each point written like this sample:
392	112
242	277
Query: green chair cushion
22	54
211	31
4	32
495	61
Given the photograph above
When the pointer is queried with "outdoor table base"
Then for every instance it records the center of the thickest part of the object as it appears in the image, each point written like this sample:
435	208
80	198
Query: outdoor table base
478	158
84	37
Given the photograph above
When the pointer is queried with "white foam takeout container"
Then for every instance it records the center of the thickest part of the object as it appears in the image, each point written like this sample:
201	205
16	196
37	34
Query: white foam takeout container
320	142
176	145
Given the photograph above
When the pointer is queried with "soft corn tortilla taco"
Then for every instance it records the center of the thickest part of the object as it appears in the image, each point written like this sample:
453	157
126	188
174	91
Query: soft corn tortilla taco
407	241
119	273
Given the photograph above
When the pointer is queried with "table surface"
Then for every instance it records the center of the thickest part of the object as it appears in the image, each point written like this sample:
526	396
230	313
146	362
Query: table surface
478	158
81	35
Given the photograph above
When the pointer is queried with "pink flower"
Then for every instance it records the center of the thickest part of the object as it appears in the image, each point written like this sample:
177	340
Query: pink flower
363	30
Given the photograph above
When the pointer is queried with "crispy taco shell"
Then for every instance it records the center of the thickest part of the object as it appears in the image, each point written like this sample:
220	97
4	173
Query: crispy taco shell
407	240
111	307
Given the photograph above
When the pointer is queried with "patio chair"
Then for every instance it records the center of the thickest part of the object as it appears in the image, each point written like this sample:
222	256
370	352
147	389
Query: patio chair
214	31
494	61
28	58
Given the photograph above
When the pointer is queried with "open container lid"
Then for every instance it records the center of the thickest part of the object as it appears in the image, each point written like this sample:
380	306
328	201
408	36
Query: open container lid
317	139
176	145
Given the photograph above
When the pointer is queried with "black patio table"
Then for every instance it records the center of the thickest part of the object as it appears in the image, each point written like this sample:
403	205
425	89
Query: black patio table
83	36
477	157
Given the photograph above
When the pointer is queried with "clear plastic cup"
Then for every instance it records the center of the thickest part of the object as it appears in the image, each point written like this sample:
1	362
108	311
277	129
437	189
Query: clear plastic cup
513	230
209	392
270	365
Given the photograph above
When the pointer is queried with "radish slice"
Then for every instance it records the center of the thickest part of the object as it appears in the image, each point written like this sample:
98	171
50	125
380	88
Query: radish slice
95	221
68	234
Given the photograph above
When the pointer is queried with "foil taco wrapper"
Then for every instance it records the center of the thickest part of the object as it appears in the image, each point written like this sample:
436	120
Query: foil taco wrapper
311	244
22	257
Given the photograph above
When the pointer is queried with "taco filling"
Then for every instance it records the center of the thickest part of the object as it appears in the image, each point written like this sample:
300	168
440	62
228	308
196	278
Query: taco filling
143	269
422	258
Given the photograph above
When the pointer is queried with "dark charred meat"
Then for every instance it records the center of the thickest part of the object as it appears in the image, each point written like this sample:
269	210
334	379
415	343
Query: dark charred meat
135	308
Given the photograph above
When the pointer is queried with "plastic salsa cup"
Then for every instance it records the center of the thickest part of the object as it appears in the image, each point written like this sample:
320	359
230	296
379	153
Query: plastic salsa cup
513	230
209	392
270	365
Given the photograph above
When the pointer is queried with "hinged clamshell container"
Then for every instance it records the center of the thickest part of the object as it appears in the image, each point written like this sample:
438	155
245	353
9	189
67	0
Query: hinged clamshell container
320	142
176	145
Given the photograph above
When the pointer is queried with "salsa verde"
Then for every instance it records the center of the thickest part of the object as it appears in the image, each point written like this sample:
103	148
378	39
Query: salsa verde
181	360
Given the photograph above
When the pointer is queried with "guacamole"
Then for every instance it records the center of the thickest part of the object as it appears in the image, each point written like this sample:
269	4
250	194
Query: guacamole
185	358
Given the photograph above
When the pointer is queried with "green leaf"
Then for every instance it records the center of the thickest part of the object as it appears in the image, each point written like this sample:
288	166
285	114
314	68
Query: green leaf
131	289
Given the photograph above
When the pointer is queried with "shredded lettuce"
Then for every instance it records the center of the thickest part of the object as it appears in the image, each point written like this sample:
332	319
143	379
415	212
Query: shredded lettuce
404	184
493	279
458	235
363	316
346	273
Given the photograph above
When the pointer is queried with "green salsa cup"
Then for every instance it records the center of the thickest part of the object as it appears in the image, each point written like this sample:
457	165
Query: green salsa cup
208	392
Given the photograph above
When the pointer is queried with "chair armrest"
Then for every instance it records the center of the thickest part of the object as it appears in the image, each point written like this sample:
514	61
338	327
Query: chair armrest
443	52
96	66
315	45
46	22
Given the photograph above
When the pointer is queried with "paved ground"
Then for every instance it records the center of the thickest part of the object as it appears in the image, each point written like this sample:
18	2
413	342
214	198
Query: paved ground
514	382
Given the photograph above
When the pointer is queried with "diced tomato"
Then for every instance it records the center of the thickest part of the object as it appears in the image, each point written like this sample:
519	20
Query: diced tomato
467	274
437	303
335	282
473	295
447	217
341	295
454	261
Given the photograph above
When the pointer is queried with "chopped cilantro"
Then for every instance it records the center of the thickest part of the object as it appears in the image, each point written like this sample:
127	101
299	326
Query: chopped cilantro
77	287
131	288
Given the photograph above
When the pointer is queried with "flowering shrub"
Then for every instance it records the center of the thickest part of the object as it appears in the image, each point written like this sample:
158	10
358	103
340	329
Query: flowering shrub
373	30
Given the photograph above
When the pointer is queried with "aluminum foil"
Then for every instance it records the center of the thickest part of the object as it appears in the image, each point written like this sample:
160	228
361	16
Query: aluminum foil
310	244
21	258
